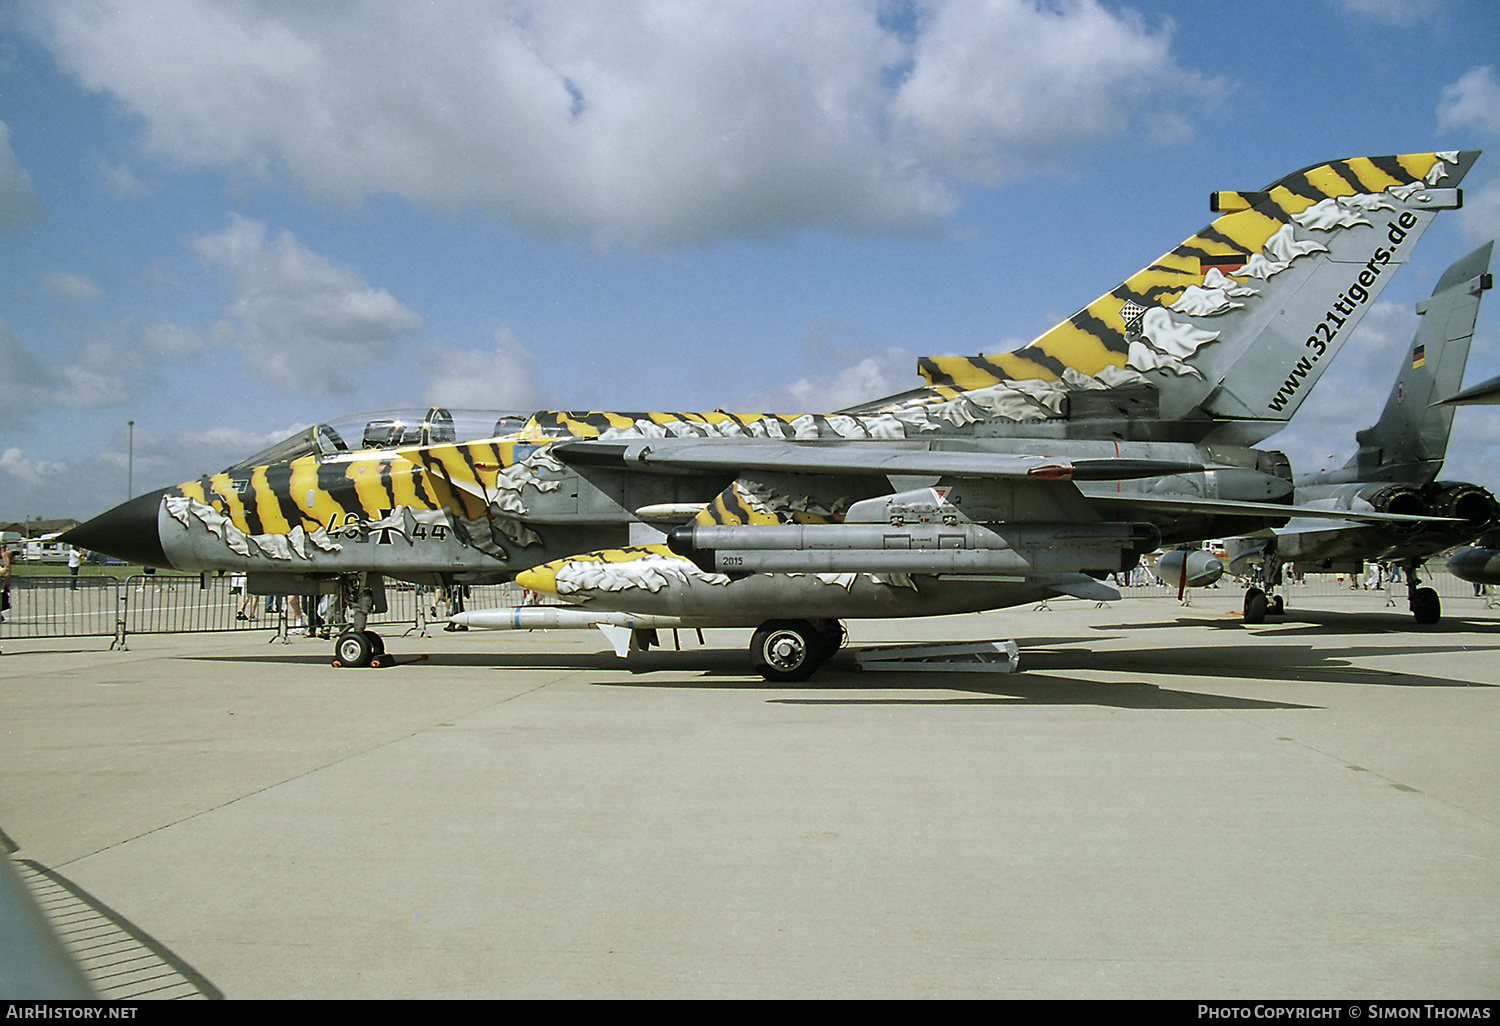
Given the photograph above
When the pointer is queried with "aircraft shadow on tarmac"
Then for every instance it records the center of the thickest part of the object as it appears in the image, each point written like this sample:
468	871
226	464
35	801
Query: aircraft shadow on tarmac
1321	622
1027	689
1043	678
1273	663
728	669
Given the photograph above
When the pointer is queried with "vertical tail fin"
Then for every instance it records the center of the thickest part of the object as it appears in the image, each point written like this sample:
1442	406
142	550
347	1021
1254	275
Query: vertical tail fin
1238	322
1410	440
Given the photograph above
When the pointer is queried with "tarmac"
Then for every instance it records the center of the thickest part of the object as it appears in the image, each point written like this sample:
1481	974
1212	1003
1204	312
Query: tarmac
1161	803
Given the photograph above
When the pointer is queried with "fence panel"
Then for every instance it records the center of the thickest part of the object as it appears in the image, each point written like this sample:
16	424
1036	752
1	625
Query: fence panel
1315	586
183	604
93	606
62	607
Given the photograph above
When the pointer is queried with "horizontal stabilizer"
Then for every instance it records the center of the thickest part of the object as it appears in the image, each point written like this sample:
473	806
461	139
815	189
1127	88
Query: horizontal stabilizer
1486	393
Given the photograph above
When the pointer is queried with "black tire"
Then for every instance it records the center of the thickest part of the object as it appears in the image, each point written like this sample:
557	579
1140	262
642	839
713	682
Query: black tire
1277	606
1255	606
786	650
831	638
1426	606
353	649
377	643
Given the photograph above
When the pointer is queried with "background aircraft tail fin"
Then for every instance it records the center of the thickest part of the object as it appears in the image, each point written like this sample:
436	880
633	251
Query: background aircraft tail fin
1410	440
1238	321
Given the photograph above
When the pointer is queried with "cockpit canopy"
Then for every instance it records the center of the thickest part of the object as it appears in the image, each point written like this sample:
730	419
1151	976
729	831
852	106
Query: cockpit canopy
389	429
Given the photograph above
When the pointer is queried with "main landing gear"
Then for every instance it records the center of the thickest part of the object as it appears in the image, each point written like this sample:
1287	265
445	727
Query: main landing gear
1261	604
790	650
1424	602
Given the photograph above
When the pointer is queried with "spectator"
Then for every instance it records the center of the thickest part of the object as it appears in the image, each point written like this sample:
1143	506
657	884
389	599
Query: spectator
238	585
5	561
454	594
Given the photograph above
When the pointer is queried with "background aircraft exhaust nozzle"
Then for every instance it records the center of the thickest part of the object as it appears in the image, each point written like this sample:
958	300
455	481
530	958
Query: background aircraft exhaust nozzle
1474	505
1401	499
1203	568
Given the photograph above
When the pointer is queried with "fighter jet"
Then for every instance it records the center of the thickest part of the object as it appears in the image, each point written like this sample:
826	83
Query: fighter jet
1395	469
1004	479
1478	563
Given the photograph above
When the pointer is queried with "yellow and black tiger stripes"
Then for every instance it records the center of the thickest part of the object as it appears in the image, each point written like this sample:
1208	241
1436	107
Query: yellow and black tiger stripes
312	488
270	496
456	471
1096	336
225	495
731	507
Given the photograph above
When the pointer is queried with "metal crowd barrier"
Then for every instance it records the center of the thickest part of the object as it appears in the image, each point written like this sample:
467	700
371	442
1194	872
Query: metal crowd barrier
62	607
102	606
1319	585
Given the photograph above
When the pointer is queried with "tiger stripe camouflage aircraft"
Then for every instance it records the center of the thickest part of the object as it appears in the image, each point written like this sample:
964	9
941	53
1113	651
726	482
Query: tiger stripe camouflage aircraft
1003	480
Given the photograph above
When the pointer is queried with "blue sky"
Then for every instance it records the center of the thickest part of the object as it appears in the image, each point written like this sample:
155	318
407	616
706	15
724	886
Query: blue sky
225	219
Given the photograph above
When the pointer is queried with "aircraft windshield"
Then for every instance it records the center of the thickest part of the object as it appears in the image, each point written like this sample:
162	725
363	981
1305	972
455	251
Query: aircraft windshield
389	429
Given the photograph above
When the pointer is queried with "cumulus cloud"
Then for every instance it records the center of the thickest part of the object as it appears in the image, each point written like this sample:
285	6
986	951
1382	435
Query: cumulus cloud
850	366
19	205
997	87
300	320
170	341
502	378
1480	218
91	481
71	286
652	122
185	455
1394	12
1473	102
1472	105
873	377
28	473
24	376
119	180
30	383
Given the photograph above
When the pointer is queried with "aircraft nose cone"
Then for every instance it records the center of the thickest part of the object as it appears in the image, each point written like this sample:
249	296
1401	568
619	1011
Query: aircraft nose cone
126	532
